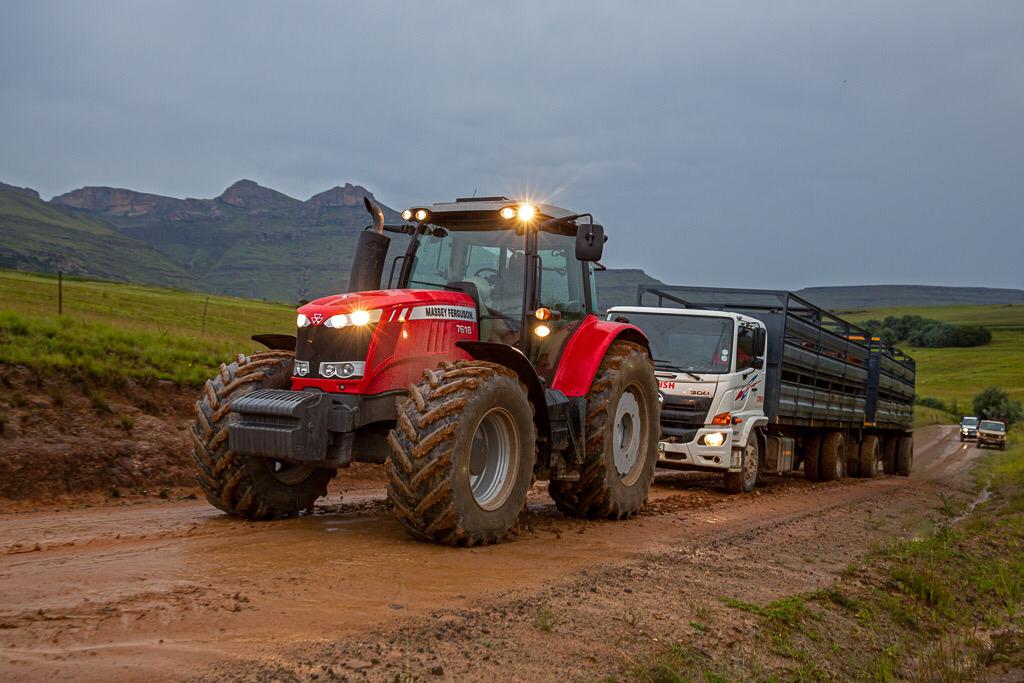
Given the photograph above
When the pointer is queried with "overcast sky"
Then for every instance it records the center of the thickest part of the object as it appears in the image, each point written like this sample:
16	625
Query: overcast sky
755	144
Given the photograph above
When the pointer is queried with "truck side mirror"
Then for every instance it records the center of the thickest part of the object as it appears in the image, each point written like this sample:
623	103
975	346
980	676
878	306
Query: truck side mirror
760	341
590	242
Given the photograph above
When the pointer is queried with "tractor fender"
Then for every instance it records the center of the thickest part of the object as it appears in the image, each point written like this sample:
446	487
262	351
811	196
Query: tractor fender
584	352
516	361
276	342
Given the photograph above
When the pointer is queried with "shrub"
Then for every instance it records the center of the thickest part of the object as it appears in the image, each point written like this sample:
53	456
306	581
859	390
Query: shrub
925	332
995	404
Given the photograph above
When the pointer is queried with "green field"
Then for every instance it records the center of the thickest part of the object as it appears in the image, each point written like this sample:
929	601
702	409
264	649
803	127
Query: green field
959	374
111	330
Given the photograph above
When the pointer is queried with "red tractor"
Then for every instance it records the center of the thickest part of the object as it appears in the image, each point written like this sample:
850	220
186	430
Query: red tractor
483	369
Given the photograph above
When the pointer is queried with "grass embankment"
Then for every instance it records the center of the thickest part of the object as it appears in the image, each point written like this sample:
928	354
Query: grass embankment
947	607
111	332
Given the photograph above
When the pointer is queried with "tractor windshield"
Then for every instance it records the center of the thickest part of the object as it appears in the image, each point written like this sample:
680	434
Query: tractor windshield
491	266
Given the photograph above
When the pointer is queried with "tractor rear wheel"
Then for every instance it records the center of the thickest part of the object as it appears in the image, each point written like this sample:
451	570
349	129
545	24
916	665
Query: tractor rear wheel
868	460
249	486
621	439
462	454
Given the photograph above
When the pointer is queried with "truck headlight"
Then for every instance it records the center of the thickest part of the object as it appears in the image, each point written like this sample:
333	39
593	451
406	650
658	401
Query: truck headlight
714	439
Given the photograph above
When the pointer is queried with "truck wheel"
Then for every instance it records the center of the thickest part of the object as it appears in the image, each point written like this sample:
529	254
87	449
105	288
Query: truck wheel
833	457
745	480
889	446
812	456
852	458
249	486
621	439
905	456
869	449
462	454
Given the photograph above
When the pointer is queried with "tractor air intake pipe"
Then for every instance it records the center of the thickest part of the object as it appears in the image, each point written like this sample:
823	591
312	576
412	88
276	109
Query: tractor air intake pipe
371	253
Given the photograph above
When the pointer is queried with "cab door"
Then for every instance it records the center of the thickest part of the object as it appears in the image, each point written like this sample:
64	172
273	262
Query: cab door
560	290
748	399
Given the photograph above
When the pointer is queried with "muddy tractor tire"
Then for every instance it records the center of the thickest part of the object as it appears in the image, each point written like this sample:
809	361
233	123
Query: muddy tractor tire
905	456
622	430
889	447
462	454
249	486
833	457
812	457
745	480
868	457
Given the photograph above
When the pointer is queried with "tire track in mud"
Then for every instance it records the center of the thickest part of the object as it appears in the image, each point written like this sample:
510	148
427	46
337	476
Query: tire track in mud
154	588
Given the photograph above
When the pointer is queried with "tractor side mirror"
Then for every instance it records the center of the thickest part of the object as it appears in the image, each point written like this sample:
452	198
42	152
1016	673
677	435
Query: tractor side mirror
590	242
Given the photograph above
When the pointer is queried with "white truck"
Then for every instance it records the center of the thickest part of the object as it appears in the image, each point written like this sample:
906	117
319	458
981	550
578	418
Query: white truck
761	381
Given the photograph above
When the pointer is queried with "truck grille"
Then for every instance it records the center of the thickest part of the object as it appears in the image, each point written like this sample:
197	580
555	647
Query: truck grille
682	416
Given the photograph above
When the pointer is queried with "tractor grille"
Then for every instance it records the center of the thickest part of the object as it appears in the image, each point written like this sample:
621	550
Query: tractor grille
682	416
319	344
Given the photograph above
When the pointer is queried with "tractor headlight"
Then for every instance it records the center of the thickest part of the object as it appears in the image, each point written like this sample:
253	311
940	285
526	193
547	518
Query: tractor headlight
714	439
355	318
343	369
302	321
360	318
301	368
336	321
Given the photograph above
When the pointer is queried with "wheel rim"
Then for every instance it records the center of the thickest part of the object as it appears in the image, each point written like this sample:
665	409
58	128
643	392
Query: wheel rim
627	438
750	465
289	473
493	459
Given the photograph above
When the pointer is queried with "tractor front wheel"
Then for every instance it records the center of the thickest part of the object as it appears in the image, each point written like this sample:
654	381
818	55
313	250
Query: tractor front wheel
249	486
462	454
621	439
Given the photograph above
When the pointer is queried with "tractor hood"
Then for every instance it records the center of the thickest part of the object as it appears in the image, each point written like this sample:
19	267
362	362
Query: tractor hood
382	299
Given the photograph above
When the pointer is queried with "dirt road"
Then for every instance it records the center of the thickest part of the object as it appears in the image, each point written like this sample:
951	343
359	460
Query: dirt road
158	591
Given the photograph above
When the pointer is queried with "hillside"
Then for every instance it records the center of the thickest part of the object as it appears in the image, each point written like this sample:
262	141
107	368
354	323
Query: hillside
249	241
39	236
888	296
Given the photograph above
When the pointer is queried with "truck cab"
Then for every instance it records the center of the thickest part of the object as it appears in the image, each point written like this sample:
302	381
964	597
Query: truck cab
710	367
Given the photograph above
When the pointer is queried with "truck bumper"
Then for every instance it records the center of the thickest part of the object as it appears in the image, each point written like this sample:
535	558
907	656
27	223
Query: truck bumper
308	427
697	456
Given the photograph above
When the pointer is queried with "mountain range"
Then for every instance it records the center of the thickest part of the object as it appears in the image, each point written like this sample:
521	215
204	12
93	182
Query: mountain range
253	241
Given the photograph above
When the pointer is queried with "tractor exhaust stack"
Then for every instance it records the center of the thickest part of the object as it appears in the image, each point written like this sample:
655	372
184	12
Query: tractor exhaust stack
371	252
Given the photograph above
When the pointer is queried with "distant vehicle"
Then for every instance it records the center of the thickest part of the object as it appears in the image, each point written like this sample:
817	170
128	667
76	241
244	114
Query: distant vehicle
992	433
968	428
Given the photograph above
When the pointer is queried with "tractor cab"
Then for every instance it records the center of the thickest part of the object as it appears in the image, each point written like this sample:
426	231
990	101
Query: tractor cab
517	260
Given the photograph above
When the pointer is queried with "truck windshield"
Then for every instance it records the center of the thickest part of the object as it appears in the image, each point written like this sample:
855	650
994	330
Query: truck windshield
690	343
993	426
970	422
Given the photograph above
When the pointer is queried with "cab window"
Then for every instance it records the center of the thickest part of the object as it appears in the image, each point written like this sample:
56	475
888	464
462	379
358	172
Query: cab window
744	348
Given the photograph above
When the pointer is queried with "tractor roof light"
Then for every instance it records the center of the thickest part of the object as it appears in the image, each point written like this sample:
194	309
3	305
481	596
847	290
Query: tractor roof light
508	213
422	215
407	215
526	212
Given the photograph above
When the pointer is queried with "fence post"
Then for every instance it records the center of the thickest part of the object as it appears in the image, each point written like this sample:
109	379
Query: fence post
60	292
206	305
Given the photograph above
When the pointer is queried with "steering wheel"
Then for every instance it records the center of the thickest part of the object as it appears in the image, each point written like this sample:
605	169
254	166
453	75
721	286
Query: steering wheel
487	269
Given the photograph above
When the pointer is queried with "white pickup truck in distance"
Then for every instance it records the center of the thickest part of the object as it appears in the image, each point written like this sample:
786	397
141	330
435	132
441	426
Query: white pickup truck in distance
710	371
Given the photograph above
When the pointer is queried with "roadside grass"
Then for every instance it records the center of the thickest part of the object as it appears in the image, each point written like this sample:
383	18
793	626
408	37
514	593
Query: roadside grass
948	606
112	332
925	416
